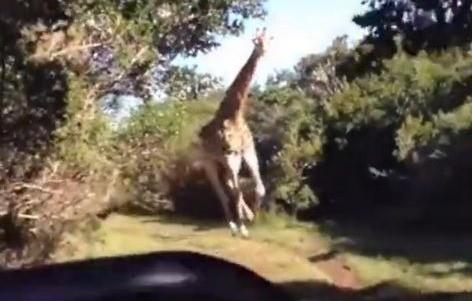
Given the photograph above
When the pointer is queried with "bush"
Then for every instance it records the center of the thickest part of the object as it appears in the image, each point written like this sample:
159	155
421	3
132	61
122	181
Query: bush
288	123
410	95
84	140
414	106
155	145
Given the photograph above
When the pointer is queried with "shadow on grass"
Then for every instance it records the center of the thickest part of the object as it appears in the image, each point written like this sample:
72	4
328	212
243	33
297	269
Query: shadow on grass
419	246
426	258
194	225
387	291
328	255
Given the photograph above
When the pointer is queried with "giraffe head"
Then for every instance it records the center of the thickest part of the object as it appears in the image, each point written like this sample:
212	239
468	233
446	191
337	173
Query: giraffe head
260	42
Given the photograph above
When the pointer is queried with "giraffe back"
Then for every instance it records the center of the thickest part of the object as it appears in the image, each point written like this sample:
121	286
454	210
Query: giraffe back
222	136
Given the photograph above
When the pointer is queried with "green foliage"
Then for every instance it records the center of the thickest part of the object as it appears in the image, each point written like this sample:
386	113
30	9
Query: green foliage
187	84
421	101
407	85
421	26
296	132
154	149
139	39
409	94
424	24
174	27
442	131
162	121
183	26
318	74
413	133
456	120
144	147
85	136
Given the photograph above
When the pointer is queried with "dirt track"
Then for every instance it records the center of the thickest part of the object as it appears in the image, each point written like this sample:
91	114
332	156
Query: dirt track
293	256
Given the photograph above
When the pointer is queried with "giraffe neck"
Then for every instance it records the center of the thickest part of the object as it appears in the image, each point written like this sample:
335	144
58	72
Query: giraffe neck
234	104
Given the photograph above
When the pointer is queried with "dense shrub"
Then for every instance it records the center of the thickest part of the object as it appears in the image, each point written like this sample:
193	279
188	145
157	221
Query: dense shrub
85	137
155	150
287	124
361	140
410	94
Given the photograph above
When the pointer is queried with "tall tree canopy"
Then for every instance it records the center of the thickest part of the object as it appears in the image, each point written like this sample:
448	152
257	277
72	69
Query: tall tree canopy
424	24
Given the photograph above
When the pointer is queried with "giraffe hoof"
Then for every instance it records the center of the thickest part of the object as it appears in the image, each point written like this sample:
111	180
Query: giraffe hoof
260	191
233	227
244	231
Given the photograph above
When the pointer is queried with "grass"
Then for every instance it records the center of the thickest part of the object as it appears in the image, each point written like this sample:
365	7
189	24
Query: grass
278	257
422	260
279	249
431	277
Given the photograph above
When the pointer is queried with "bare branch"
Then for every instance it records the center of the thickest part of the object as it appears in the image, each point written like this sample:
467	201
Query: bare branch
27	216
66	51
75	48
35	187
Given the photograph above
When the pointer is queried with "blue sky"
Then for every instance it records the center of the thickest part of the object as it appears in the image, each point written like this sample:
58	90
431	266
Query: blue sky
299	27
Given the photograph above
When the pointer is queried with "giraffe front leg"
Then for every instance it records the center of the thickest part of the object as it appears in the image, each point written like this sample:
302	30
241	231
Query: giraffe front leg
241	206
233	163
211	170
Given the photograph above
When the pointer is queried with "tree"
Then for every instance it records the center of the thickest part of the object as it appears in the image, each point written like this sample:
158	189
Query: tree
151	34
430	25
187	83
318	75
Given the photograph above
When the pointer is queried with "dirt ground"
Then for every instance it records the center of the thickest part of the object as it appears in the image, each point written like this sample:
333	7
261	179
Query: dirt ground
285	258
297	257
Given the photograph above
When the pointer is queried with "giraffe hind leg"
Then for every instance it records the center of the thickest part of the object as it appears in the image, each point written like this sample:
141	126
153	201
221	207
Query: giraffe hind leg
211	170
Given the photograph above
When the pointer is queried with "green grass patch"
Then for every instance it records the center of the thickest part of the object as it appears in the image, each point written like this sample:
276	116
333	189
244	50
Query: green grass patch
434	277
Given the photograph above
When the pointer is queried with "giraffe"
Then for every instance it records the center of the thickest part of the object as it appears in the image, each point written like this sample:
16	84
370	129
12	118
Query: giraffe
226	142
